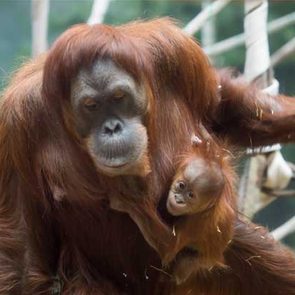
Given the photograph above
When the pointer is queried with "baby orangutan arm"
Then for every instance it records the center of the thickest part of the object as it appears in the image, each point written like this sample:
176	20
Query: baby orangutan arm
155	232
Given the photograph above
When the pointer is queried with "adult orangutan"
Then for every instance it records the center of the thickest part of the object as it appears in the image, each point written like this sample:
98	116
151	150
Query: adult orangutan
106	113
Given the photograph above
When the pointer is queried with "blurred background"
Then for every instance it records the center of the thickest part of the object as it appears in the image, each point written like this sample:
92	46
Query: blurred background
16	41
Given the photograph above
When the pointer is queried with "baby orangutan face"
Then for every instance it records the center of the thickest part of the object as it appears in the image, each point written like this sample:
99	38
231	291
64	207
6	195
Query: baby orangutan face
195	187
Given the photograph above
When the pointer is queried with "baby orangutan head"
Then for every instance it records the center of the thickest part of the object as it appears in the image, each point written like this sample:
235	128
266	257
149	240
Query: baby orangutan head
195	187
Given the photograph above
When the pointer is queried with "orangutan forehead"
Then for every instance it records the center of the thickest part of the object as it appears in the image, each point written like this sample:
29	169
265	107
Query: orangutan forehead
103	75
194	169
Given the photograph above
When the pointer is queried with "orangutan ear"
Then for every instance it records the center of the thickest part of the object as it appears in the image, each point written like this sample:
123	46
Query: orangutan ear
249	117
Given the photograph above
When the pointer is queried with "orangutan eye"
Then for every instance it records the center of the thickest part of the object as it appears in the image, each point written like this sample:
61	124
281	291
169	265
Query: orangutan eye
118	95
180	185
90	104
190	194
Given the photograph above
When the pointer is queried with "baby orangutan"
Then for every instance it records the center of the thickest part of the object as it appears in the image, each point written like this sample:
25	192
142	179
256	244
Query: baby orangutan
201	203
202	228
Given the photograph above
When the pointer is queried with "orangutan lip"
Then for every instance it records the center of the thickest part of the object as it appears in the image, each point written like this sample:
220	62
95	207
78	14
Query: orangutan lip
116	166
175	208
177	203
113	164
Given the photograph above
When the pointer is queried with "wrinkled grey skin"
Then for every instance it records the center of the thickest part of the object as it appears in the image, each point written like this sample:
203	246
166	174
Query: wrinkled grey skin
109	109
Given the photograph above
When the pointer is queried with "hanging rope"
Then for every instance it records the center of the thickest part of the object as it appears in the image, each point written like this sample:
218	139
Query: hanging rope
267	171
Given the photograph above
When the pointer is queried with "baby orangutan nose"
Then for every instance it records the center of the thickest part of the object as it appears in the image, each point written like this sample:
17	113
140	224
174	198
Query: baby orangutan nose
179	198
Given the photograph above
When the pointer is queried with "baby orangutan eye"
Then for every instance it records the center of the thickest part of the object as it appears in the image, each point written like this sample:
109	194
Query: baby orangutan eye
180	185
190	194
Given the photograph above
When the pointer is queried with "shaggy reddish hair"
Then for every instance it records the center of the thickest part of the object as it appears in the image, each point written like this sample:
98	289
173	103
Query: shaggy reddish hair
78	244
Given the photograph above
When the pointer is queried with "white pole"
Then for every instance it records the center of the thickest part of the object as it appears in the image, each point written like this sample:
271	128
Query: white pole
257	54
284	52
256	67
208	30
284	230
238	40
196	23
98	11
40	12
